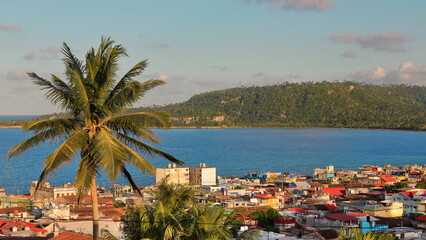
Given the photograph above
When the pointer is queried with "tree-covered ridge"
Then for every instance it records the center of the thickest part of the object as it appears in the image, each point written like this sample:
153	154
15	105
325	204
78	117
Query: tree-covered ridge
322	104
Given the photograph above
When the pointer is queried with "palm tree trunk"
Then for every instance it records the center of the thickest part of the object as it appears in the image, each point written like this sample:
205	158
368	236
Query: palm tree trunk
95	208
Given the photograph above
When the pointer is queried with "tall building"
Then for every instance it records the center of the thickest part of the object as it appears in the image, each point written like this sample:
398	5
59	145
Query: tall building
172	175
201	175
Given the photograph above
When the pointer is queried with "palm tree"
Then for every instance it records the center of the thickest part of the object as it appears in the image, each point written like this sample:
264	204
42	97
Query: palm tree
97	129
176	215
356	234
210	223
167	219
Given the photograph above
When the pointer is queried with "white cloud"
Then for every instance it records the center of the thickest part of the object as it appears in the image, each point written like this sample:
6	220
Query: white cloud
296	5
17	74
163	77
306	5
30	56
44	54
349	54
262	79
10	28
386	41
50	50
345	38
406	73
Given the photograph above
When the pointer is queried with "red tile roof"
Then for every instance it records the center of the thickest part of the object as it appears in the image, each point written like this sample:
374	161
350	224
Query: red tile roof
71	236
335	191
6	226
388	178
265	196
341	217
356	214
13	210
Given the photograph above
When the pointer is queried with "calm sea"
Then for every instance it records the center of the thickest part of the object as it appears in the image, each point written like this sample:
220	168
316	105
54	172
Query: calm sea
238	151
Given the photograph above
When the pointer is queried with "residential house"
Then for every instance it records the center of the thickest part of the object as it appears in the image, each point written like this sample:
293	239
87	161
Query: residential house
21	229
86	227
389	209
387	180
332	221
265	200
410	200
14	212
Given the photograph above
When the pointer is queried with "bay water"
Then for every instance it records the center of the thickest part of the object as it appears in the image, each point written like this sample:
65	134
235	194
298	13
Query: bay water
235	152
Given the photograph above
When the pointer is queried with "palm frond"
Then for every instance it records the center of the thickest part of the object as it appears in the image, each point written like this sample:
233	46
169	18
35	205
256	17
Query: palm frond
132	182
56	91
61	125
142	120
37	139
133	72
66	151
130	93
145	148
107	153
85	172
137	160
79	87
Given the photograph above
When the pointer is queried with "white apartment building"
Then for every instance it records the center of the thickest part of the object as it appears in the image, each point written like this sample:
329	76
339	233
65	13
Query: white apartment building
201	175
172	175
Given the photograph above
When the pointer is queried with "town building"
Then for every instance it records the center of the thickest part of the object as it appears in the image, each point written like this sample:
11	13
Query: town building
50	192
202	175
172	175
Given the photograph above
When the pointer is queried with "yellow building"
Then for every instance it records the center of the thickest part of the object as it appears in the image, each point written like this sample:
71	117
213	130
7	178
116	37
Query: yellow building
385	209
265	200
172	174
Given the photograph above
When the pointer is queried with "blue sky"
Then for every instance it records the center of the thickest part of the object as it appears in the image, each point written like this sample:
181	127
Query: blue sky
198	46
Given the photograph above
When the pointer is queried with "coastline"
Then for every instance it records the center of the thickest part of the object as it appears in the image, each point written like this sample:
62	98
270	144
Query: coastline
235	127
10	127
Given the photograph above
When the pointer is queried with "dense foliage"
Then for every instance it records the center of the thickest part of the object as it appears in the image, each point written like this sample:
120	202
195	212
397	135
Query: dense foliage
176	215
322	104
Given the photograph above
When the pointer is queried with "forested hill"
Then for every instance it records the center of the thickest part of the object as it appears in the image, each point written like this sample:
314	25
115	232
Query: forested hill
324	104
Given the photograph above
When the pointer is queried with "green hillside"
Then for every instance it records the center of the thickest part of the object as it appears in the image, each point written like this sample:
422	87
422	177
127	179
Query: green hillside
324	104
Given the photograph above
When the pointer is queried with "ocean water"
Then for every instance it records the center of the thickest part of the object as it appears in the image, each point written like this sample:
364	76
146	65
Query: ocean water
16	117
238	151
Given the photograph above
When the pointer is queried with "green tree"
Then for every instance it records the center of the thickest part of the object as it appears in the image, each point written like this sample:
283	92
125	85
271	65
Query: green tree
393	188
176	215
356	234
421	185
265	218
96	128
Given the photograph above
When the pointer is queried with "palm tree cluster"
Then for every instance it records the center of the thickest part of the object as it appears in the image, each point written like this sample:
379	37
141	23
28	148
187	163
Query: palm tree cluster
97	129
356	234
176	215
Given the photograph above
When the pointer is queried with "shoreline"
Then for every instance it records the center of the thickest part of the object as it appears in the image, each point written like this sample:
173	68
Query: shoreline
226	127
